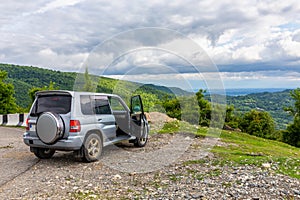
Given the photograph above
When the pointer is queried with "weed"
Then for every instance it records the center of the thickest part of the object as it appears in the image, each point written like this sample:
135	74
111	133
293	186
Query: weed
86	195
226	184
192	162
199	176
7	147
175	177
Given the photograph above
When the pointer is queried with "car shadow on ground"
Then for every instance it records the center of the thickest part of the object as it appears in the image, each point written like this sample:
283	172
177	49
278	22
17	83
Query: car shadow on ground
63	158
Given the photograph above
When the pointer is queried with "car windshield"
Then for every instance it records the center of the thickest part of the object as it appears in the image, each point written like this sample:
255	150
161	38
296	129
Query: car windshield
60	104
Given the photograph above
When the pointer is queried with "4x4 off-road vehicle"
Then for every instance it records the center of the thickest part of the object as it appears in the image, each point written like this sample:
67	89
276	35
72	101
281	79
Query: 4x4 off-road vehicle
83	122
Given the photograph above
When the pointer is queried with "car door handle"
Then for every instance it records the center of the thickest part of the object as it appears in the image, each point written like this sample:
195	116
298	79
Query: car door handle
99	120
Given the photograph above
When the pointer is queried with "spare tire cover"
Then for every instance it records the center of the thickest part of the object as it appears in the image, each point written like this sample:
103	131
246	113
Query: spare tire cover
49	127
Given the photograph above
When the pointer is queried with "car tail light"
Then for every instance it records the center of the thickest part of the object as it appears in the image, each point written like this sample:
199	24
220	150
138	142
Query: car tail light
75	126
27	124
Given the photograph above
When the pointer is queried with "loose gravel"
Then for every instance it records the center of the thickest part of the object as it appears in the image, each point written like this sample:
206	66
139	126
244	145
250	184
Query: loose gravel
164	169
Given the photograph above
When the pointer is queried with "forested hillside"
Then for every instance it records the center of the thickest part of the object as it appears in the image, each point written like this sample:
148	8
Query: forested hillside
274	103
25	78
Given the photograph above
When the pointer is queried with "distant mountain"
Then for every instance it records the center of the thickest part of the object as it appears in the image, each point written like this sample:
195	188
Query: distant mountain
245	91
273	102
26	77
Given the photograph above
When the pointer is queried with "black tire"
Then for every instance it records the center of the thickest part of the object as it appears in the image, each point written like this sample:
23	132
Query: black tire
43	153
141	142
92	148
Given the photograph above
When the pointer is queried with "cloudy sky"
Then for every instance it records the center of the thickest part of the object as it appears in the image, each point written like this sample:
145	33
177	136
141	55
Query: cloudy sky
248	43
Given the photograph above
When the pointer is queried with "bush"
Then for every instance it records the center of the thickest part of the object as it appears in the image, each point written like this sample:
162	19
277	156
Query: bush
258	123
292	133
7	100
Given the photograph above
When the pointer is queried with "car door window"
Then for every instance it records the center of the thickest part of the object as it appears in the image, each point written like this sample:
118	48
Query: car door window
116	105
91	105
101	106
136	105
86	105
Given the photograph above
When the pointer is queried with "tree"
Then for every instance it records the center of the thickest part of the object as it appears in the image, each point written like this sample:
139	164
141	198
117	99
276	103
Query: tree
88	84
172	107
204	109
258	123
292	133
7	100
231	119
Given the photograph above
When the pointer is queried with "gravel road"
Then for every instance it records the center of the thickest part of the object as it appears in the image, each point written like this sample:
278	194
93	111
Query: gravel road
161	170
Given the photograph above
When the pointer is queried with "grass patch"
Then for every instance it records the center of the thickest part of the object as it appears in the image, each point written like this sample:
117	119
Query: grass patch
191	162
252	150
179	126
175	177
170	127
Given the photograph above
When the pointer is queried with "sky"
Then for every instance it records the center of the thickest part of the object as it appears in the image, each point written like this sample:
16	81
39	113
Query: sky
182	43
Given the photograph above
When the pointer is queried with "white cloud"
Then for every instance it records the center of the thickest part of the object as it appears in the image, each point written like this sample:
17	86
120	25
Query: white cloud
240	35
71	62
290	46
56	4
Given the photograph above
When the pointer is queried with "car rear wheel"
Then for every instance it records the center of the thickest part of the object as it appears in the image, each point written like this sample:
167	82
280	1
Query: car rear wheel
92	148
43	153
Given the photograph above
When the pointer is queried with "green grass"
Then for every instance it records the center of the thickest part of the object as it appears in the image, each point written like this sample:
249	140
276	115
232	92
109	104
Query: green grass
244	149
86	195
178	126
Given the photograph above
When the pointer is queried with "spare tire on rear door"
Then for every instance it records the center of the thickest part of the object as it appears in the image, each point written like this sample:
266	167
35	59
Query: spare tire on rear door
49	127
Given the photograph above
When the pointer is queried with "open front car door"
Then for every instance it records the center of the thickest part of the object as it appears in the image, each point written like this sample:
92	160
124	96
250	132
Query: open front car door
139	124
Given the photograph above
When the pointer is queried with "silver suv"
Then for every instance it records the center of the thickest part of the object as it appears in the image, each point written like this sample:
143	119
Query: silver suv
83	122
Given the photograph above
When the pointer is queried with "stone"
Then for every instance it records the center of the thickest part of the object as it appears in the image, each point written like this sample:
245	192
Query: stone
266	165
117	177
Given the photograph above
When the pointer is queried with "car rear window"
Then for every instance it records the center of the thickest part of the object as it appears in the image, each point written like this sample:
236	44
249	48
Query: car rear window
60	104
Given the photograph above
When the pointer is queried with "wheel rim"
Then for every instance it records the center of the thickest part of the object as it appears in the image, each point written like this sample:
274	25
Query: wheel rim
47	151
143	140
94	148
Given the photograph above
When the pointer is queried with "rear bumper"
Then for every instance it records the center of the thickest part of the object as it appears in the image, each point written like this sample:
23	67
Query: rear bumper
70	144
